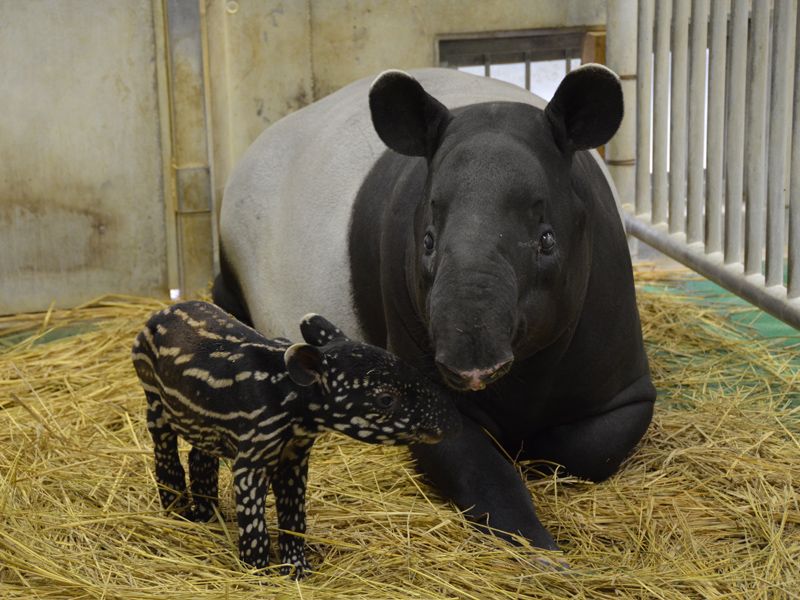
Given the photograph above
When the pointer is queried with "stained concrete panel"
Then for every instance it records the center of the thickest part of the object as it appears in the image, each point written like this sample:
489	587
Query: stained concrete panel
270	57
81	209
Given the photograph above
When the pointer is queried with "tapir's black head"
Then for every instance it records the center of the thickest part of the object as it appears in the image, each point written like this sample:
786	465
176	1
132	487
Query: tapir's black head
366	392
501	244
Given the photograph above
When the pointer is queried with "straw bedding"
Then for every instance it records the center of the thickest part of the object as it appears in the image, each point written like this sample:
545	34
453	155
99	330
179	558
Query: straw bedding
707	507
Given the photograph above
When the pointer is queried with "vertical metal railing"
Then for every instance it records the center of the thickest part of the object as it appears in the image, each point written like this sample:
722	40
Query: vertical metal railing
794	195
644	85
781	92
722	191
734	147
715	140
697	116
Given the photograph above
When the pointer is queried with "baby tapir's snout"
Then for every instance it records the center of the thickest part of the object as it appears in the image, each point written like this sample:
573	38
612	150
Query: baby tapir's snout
374	396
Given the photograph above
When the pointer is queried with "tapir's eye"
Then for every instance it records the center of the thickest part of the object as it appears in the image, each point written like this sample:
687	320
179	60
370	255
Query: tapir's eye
427	241
387	401
547	242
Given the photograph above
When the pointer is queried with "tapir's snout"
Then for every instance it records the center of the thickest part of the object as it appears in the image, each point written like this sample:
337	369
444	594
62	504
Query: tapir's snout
440	418
473	379
430	436
473	319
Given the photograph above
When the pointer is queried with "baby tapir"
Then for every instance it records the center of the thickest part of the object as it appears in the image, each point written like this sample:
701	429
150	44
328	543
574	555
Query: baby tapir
231	392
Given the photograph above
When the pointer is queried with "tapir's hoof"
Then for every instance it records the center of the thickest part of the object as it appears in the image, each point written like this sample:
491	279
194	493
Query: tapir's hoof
553	563
296	571
200	514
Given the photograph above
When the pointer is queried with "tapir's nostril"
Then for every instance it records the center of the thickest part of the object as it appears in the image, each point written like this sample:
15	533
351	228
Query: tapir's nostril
474	379
501	369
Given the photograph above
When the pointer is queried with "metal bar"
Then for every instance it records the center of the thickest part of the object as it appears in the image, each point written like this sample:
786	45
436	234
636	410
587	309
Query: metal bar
190	158
697	117
644	114
677	130
734	148
210	142
661	111
464	49
165	126
772	300
620	151
716	124
528	71
779	118
756	132
794	196
487	66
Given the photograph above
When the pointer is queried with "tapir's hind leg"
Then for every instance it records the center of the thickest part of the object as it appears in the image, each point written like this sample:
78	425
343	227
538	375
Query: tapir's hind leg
170	476
594	447
204	479
227	294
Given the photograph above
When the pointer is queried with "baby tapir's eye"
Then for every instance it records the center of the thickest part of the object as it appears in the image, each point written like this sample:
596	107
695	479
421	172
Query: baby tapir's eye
387	401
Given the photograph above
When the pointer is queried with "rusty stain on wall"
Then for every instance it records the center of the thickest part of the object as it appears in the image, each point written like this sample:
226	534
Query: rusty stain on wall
48	237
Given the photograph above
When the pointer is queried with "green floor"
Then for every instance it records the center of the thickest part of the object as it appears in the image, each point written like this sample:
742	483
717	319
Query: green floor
52	335
739	311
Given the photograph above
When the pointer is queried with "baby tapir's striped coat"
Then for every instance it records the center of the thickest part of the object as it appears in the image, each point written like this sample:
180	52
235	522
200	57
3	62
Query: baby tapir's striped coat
231	392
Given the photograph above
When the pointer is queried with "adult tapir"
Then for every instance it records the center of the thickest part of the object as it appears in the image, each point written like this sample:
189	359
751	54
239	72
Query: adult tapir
483	245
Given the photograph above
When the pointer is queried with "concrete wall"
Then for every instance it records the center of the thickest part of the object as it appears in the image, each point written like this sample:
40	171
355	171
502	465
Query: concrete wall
121	121
352	39
81	203
259	62
270	57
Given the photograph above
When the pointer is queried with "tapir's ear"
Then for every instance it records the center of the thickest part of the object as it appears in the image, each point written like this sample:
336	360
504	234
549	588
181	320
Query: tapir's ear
319	331
586	109
304	364
408	119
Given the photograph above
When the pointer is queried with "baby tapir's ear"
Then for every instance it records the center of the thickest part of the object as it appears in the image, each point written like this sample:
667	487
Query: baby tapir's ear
304	364
319	331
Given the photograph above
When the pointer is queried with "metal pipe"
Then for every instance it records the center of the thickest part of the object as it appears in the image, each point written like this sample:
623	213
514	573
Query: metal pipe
716	124
756	132
620	151
697	119
677	130
794	196
644	113
734	148
661	111
779	118
772	300
528	71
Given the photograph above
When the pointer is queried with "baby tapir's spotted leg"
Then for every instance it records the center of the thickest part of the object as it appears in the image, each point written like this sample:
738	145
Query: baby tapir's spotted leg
250	484
204	478
170	476
289	485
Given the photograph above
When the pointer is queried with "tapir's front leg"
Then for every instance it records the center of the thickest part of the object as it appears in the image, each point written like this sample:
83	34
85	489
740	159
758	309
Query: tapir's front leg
469	470
251	484
289	485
